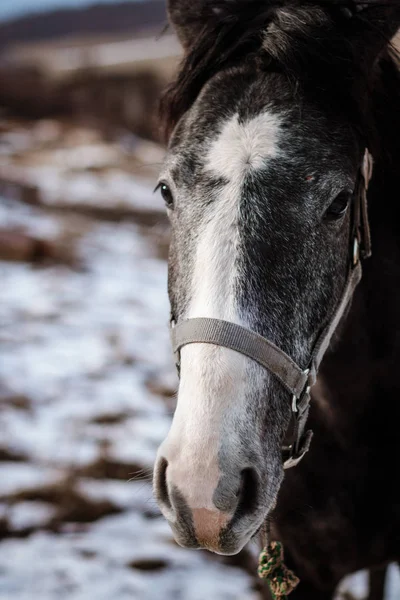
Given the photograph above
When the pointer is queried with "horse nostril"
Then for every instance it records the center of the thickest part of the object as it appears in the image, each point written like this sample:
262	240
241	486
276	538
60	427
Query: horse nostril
248	493
161	484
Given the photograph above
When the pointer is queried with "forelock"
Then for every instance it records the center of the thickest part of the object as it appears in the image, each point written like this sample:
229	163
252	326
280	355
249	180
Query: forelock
288	25
300	41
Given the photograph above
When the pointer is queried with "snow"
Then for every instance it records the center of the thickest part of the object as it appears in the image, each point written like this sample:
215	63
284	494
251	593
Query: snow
17	476
100	563
358	584
82	345
26	515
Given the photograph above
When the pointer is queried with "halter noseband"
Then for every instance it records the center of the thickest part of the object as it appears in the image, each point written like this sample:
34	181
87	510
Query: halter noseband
297	381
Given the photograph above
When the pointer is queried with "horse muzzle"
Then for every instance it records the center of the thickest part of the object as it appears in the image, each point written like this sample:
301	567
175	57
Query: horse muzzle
220	516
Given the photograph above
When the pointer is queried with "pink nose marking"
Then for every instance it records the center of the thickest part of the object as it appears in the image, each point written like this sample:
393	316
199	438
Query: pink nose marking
208	525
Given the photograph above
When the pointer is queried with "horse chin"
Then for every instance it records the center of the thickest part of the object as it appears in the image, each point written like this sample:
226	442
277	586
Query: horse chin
228	543
227	548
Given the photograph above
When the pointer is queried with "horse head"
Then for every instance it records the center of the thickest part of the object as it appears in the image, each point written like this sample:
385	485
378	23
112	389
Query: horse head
268	123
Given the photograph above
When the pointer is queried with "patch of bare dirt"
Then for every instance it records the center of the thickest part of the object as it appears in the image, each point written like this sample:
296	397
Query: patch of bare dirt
17	245
8	454
10	399
110	419
150	564
71	505
107	468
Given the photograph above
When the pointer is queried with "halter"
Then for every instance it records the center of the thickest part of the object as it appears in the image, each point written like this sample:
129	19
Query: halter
297	381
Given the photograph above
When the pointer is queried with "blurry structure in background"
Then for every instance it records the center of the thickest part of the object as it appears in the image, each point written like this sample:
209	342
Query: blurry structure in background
105	65
79	91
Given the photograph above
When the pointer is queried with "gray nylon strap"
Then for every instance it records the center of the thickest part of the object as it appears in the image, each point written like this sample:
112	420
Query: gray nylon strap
245	341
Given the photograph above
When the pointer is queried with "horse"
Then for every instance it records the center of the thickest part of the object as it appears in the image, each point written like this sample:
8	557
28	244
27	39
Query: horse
282	172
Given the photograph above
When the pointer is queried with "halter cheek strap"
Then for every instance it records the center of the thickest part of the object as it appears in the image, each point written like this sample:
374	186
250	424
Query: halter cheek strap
297	381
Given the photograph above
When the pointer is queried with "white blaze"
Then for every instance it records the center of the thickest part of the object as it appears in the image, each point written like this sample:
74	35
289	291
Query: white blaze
239	148
213	378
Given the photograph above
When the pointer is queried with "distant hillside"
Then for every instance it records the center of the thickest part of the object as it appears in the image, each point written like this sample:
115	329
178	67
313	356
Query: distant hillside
99	19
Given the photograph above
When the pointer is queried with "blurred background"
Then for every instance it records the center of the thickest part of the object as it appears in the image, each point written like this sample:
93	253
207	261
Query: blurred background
87	380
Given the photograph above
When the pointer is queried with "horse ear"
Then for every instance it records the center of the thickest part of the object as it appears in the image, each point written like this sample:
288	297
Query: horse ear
375	24
187	18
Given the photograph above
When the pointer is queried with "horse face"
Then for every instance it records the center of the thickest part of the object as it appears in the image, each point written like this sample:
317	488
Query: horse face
258	184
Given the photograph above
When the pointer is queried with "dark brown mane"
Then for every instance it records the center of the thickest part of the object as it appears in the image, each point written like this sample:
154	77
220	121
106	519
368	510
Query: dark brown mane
304	40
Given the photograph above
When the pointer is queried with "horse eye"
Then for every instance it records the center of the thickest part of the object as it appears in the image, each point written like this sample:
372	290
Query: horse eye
339	206
167	195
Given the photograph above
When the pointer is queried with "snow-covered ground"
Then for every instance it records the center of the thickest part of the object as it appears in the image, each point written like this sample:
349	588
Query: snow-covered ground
87	388
75	168
86	374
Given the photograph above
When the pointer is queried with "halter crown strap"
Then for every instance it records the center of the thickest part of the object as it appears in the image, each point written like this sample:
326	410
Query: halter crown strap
296	380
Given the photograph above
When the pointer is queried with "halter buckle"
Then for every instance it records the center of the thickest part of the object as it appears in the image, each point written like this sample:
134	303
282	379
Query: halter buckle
356	251
296	400
291	457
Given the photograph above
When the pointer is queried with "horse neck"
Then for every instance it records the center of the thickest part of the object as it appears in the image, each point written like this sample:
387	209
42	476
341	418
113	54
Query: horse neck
380	289
363	367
